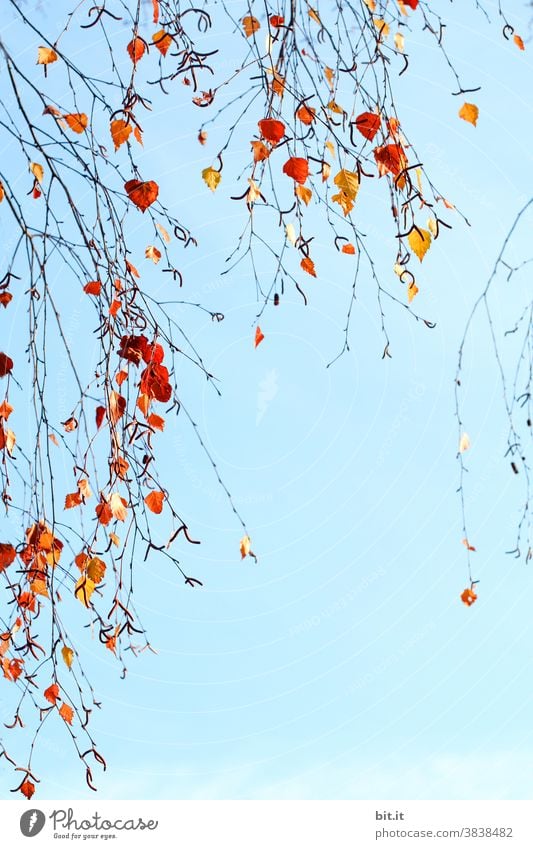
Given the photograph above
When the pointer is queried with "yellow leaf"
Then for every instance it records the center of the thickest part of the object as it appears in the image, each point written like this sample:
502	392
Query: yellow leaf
344	201
347	182
382	27
329	75
253	193
303	193
330	146
84	589
38	587
469	112
37	171
45	55
464	443
114	539
370	4
419	242
333	106
433	227
153	253
67	655
211	178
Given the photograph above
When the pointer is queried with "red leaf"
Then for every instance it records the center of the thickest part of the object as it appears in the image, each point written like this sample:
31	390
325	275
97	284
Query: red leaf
308	266
259	336
368	123
51	694
94	287
390	157
132	348
27	601
100	415
411	3
153	353
6	364
142	194
7	555
277	20
297	168
271	130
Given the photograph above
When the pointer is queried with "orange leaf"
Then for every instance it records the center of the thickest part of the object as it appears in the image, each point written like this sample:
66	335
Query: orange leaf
308	265
121	377
5	410
154	501
77	121
468	597
120	132
244	546
27	601
306	114
157	422
51	694
162	41
136	49
153	253
390	158
259	336
117	406
70	424
45	55
96	570
277	20
519	42
467	545
260	151
5	298
469	112
368	123
348	248
142	194
271	130
73	499
155	4
250	25
303	193
27	788
94	287
297	168
66	713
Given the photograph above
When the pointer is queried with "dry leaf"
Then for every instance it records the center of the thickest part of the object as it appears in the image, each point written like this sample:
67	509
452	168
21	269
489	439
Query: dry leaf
464	443
45	55
469	112
211	178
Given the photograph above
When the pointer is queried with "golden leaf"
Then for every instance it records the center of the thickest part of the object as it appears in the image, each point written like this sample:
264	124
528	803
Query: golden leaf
464	443
244	546
419	242
37	171
211	178
303	193
67	655
45	55
120	132
153	253
347	182
84	589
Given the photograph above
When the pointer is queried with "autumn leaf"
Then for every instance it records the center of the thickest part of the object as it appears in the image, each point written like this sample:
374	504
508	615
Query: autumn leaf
37	171
5	410
7	555
96	569
519	42
468	597
297	168
464	443
94	287
155	421
368	124
411	3
399	42
100	415
306	114
314	16
419	242
142	194
348	248
45	56
469	112
118	506
162	41
120	132
290	232
382	27
202	137
259	336
153	253
347	182
117	406
303	193
211	177
271	129
260	151
250	25
51	694
308	266
77	121
68	656
70	424
344	201
66	713
136	49
154	501
277	21
390	158
26	601
467	545
412	291
2	192
164	233
245	546
84	589
84	489
27	788
6	365
73	499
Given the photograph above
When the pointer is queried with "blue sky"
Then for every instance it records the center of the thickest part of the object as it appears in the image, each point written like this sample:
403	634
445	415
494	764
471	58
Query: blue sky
343	665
